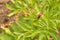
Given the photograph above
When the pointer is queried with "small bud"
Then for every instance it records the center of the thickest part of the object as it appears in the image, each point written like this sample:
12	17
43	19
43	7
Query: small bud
39	15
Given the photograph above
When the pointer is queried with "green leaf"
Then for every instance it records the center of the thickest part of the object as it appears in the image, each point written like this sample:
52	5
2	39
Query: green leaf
41	36
11	7
6	37
14	12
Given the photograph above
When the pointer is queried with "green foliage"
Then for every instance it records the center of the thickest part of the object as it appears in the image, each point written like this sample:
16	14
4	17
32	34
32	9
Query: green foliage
30	27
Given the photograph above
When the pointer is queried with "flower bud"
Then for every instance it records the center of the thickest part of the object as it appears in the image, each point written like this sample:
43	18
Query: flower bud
39	15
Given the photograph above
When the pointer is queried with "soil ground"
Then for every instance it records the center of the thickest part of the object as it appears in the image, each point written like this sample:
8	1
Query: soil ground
4	19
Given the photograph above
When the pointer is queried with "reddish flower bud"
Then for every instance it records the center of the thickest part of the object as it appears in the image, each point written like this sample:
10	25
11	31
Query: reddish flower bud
39	15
